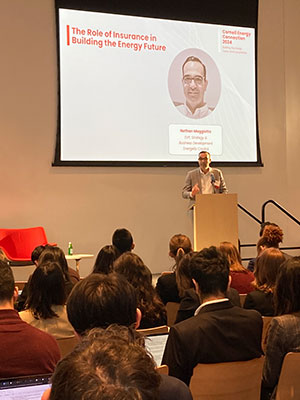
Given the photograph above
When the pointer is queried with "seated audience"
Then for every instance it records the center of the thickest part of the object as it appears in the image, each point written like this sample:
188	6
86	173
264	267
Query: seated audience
101	300
166	285
45	305
190	300
139	276
270	236
123	240
219	331
24	350
241	278
49	253
105	259
283	334
124	369
266	271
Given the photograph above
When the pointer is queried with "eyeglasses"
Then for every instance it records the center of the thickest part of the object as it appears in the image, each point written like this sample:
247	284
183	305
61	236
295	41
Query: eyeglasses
198	80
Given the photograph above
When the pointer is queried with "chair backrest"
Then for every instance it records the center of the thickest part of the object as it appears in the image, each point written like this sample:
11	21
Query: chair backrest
66	345
266	323
227	381
18	244
163	369
172	309
289	383
154	331
242	299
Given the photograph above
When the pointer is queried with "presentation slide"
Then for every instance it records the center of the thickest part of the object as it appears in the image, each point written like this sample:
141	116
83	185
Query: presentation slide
136	89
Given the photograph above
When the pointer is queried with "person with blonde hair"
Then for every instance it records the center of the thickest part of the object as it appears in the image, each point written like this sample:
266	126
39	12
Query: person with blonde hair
166	286
241	278
266	270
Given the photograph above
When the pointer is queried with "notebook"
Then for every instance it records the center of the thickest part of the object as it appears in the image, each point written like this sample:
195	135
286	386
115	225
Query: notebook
156	344
24	388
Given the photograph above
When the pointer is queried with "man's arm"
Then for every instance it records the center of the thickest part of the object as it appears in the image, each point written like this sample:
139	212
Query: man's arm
176	358
223	188
189	191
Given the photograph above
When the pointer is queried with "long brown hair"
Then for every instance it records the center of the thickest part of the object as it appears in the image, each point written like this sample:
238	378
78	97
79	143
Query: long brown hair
131	266
231	253
266	269
287	288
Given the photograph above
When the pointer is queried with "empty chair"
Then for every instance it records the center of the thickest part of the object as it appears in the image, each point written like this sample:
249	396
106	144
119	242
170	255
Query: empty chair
18	244
289	383
238	380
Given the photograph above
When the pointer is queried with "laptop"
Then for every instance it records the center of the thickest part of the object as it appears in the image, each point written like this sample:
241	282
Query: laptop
24	388
156	344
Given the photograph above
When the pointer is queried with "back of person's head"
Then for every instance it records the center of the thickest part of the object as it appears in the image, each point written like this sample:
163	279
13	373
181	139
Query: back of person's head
37	251
46	288
229	250
132	267
210	269
183	273
178	246
272	236
101	300
266	268
123	240
54	253
264	225
7	282
107	364
287	287
105	259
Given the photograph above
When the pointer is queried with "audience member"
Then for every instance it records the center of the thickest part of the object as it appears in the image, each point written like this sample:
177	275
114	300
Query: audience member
101	300
105	259
123	240
49	253
219	331
283	334
266	271
45	306
139	276
166	285
107	364
190	299
270	236
24	350
241	278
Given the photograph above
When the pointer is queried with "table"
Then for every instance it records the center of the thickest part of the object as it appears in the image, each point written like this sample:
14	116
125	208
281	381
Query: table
77	258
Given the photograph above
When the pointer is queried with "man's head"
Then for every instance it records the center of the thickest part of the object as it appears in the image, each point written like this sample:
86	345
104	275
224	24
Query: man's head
123	240
210	271
8	292
107	364
204	160
194	81
101	300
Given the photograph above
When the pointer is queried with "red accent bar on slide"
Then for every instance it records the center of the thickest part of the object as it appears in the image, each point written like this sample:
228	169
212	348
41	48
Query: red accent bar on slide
68	35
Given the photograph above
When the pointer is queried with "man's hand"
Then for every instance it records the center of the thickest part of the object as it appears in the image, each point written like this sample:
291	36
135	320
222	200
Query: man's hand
195	190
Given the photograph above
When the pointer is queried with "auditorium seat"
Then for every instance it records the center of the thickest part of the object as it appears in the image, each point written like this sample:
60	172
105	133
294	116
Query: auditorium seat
289	383
158	330
172	309
227	381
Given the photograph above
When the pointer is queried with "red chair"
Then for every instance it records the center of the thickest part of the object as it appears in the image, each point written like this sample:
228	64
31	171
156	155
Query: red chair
18	244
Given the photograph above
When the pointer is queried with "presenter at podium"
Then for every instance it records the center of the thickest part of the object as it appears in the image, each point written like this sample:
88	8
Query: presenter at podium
203	180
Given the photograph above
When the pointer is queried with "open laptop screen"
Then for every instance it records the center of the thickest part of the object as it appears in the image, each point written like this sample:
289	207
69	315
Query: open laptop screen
24	388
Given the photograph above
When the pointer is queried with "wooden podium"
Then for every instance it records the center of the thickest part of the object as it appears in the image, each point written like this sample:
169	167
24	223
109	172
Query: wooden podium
215	220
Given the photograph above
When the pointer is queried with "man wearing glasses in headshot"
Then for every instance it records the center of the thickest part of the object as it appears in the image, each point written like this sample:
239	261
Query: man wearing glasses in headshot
194	86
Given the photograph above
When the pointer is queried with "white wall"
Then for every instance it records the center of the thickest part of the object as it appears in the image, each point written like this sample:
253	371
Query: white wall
85	205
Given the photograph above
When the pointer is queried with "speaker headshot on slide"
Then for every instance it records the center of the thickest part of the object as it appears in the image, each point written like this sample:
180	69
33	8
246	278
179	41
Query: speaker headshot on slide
191	96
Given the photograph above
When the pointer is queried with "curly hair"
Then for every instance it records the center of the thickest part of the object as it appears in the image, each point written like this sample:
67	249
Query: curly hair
272	236
131	266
